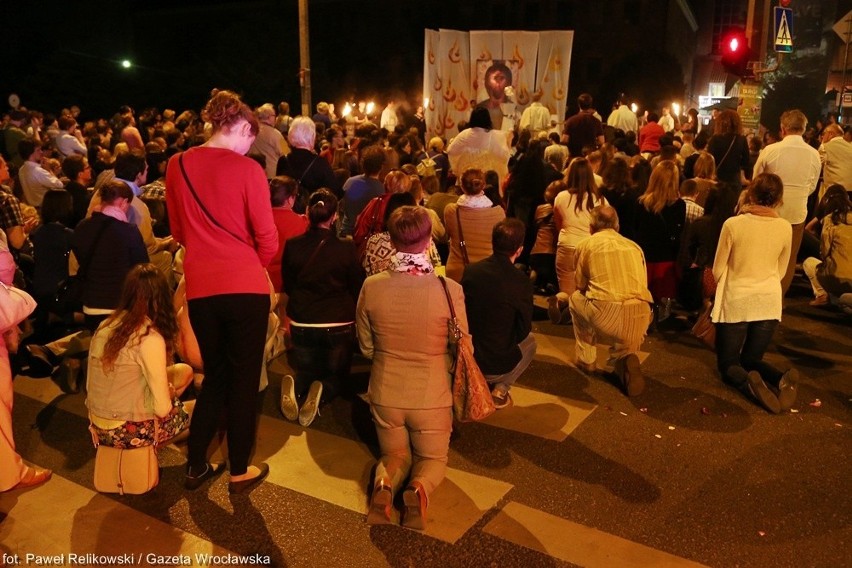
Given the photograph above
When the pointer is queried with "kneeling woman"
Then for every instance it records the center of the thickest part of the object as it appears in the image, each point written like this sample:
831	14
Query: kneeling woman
751	260
133	391
402	321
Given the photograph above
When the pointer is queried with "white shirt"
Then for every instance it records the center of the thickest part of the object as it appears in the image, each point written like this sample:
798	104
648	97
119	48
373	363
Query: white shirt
536	117
750	261
575	224
68	144
389	119
798	166
480	148
36	181
838	163
623	119
667	122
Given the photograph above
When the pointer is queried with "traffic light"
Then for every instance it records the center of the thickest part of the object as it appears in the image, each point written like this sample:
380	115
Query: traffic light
736	52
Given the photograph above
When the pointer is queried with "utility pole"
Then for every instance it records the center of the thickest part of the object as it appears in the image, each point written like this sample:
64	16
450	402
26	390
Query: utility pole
304	58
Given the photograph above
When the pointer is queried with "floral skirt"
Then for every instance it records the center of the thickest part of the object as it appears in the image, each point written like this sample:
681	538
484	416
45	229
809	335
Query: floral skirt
137	434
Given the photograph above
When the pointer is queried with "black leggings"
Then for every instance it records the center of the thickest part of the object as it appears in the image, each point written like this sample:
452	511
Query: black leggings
231	332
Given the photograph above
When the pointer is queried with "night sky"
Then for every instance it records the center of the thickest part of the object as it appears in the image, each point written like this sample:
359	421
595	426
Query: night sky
71	53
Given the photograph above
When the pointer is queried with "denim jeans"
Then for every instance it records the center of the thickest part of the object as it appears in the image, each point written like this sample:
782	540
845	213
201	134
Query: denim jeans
528	347
742	345
321	354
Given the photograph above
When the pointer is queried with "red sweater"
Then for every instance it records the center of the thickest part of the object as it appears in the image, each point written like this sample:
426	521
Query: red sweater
649	137
290	224
234	190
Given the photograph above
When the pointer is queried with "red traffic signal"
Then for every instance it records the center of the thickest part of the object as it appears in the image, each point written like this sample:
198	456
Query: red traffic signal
735	52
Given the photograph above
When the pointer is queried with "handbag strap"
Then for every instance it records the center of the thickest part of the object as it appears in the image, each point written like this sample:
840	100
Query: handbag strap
453	319
462	243
84	266
304	173
312	257
200	204
722	161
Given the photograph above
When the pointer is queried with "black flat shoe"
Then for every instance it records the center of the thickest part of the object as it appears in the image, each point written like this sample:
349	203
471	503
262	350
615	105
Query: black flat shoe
42	361
248	484
211	470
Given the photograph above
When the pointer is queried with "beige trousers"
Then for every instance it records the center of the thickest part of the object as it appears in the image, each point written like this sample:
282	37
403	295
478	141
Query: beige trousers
414	441
565	270
622	326
798	233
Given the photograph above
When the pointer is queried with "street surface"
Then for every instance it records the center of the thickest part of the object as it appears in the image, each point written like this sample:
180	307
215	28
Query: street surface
575	474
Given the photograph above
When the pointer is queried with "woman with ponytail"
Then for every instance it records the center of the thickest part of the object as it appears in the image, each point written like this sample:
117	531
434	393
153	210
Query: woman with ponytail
322	278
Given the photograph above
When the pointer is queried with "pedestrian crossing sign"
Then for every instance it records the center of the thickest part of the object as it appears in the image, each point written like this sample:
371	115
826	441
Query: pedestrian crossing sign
783	29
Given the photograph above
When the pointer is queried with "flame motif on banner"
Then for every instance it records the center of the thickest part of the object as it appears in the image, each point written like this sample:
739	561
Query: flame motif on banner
538	63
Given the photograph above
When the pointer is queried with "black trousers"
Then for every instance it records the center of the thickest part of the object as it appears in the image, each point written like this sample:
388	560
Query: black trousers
231	332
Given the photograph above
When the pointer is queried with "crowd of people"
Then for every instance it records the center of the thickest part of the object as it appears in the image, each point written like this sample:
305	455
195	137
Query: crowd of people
168	257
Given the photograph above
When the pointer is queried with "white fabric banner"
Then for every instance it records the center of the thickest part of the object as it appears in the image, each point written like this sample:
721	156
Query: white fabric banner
498	70
431	96
553	69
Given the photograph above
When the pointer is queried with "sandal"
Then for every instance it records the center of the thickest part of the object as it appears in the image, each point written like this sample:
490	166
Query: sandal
211	470
33	477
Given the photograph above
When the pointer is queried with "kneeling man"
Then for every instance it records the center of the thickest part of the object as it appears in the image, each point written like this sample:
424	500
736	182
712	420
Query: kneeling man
499	303
612	301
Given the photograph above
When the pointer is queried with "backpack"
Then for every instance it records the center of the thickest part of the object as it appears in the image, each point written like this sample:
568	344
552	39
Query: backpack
426	167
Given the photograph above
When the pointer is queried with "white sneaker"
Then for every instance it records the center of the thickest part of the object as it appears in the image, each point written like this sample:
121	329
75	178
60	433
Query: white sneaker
289	406
310	408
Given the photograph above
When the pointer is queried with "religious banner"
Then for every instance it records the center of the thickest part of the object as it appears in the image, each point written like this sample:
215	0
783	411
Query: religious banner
498	70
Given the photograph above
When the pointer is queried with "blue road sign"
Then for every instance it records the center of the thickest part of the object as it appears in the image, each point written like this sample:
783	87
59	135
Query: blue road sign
783	38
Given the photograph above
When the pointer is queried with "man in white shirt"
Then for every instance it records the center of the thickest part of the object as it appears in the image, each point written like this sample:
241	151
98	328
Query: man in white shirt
389	117
798	165
69	140
35	180
666	121
623	118
836	154
536	117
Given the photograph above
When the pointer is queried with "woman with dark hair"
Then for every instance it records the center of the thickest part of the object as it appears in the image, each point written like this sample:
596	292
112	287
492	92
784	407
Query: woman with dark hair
284	191
691	125
322	278
831	277
469	222
525	190
751	260
658	224
218	202
409	391
132	380
107	246
730	148
572	215
51	247
480	147
619	191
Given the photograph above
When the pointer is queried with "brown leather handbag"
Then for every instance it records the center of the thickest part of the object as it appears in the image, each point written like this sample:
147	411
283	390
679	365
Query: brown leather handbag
471	396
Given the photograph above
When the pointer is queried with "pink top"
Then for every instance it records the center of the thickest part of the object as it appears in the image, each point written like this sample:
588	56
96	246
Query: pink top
290	224
234	190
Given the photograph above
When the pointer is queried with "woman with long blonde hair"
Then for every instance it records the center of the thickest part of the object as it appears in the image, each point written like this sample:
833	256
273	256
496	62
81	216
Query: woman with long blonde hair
660	217
705	176
572	216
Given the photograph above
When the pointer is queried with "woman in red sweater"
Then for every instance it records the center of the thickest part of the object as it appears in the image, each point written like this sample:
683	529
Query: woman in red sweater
219	209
